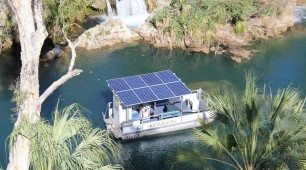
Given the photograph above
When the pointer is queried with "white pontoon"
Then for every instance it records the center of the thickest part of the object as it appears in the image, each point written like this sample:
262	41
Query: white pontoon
152	103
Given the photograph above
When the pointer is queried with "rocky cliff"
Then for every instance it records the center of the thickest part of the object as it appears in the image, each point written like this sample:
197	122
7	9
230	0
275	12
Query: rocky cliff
109	33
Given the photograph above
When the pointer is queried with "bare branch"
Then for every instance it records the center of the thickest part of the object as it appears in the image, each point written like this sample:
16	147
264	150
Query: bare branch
58	83
73	52
70	74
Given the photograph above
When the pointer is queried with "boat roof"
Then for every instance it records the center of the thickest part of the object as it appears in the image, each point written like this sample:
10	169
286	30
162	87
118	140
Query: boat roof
145	88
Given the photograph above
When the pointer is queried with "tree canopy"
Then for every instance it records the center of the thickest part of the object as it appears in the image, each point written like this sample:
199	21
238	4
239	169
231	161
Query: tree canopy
62	13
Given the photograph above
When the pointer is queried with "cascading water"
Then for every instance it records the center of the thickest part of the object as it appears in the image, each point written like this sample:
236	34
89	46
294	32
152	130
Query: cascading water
132	12
300	14
109	9
126	8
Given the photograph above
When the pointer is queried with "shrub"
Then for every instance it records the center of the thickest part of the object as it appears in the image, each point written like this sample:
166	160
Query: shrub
240	27
62	13
193	18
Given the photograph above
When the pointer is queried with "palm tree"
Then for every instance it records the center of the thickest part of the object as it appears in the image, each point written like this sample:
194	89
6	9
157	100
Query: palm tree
69	143
252	131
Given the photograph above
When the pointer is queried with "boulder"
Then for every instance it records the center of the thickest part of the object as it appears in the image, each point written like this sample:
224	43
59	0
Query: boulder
56	52
109	33
147	31
99	4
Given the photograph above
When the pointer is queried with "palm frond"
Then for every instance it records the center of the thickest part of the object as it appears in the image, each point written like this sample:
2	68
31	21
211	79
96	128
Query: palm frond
256	130
71	143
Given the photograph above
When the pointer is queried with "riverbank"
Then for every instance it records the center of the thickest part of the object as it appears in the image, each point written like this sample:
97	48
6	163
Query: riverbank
163	31
172	28
226	36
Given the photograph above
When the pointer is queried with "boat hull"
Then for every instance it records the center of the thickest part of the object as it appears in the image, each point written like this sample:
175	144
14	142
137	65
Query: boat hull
159	130
137	129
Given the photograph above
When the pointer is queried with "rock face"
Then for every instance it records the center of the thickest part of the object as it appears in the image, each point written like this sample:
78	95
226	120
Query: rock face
301	2
146	31
112	32
99	4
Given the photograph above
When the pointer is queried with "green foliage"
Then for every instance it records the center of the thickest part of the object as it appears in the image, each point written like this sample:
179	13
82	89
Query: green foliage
256	130
240	27
69	142
7	31
18	97
59	13
193	18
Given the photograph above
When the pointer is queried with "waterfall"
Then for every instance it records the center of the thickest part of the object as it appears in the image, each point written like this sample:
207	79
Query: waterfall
132	12
300	14
109	9
127	8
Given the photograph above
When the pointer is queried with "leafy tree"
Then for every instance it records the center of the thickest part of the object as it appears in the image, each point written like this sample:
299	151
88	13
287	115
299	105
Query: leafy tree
70	142
255	130
58	13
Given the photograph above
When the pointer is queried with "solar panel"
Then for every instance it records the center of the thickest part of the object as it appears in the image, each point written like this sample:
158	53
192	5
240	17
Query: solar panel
162	91
118	84
128	97
178	88
134	82
167	76
151	79
149	87
145	94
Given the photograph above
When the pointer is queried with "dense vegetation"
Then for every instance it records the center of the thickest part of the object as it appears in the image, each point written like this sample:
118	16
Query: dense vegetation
6	27
70	142
200	18
256	130
63	13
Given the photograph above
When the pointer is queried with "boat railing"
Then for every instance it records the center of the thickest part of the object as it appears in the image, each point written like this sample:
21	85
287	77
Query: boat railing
106	114
199	93
159	117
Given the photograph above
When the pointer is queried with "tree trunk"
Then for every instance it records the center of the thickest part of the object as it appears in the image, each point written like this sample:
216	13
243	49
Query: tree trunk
32	33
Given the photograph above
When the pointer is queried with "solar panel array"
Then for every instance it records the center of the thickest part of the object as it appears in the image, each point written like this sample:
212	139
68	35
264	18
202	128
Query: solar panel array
149	87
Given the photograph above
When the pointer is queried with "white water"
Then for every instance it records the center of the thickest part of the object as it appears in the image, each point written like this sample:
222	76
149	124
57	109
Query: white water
109	9
126	8
132	12
300	14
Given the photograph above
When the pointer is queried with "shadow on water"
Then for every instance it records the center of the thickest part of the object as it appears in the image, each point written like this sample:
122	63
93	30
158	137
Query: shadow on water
10	68
9	71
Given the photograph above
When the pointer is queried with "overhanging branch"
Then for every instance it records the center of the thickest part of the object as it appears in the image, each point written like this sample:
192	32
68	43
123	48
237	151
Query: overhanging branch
72	46
58	83
70	74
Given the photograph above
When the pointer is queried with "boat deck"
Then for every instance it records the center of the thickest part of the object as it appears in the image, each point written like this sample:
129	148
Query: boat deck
158	122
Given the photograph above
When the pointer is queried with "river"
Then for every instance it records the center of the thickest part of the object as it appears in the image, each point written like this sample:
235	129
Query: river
279	62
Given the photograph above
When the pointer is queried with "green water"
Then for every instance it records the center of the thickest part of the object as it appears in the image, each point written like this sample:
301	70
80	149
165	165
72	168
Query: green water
280	62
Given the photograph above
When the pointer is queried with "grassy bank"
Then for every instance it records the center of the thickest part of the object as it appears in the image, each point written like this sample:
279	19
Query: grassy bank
197	23
198	18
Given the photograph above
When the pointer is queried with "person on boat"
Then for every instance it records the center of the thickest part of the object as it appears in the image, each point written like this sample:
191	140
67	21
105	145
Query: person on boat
165	108
144	111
